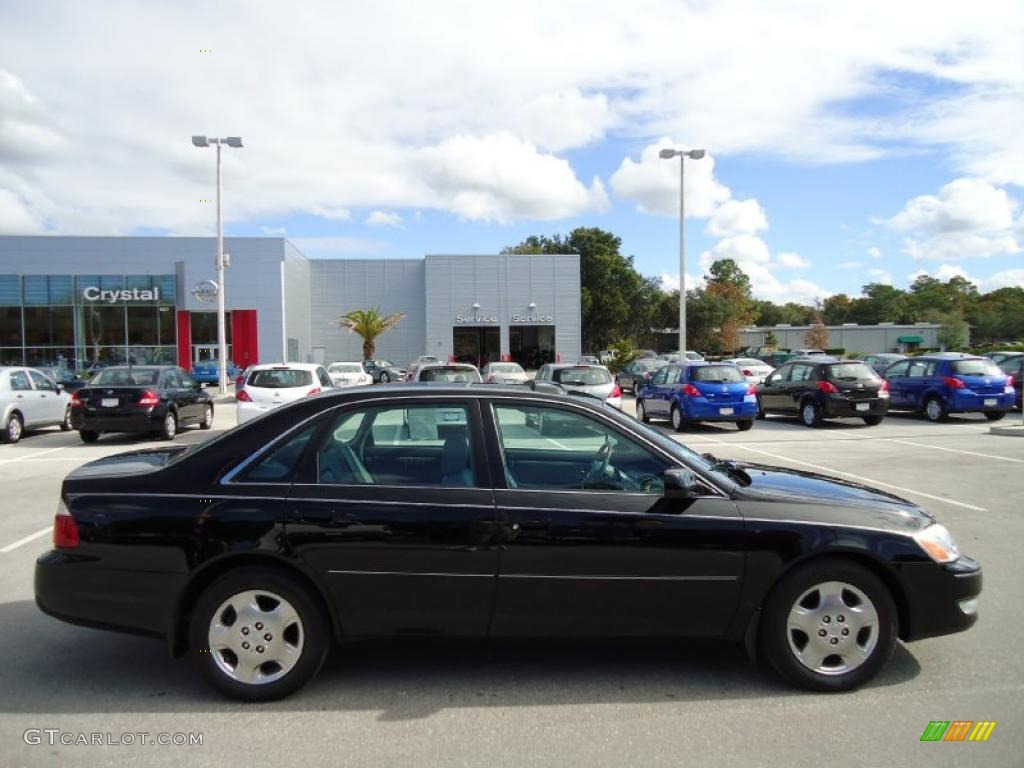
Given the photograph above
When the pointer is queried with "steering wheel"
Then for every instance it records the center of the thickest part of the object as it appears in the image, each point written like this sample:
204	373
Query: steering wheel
599	466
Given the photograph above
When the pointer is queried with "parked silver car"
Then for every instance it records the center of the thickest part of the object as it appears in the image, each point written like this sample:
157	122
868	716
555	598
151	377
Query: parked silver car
383	371
755	371
593	380
410	372
448	373
30	400
503	373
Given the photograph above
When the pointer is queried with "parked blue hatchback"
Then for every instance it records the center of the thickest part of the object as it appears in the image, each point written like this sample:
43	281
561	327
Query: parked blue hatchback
207	371
938	385
694	392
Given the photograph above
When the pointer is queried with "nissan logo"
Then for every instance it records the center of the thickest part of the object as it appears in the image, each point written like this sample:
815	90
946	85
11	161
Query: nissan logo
205	291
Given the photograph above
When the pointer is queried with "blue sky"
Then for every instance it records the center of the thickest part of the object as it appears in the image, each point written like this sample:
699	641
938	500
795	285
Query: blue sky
847	142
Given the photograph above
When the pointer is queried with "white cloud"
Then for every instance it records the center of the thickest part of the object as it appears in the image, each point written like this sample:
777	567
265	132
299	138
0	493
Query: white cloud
969	218
850	264
654	183
273	231
880	276
564	120
753	257
671	282
1010	278
15	217
384	219
331	212
333	244
874	252
792	260
737	217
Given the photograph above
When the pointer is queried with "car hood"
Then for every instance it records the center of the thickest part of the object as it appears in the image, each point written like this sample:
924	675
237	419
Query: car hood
128	463
820	498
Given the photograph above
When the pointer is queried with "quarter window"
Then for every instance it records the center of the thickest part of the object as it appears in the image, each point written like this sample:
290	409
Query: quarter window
280	464
553	449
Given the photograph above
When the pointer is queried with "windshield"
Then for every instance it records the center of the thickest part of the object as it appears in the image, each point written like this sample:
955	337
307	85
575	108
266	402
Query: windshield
346	368
851	371
280	378
452	375
979	367
506	368
717	373
427	359
126	377
582	377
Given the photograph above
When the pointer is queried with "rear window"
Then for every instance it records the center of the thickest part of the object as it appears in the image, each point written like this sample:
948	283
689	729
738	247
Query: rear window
648	365
506	368
346	368
716	373
582	377
452	375
749	361
126	377
979	367
280	378
851	371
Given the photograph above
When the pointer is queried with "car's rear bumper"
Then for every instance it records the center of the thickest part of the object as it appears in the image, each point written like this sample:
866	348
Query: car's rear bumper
136	421
836	407
246	411
941	599
83	590
700	409
963	402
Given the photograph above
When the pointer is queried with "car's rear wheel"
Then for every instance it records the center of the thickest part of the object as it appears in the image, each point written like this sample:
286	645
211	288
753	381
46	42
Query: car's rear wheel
810	414
994	415
258	634
11	433
88	435
169	427
872	421
678	422
65	426
760	410
641	412
744	424
385	378
207	421
829	625
935	410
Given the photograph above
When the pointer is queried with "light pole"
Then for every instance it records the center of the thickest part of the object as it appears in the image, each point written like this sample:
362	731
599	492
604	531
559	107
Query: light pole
222	345
693	154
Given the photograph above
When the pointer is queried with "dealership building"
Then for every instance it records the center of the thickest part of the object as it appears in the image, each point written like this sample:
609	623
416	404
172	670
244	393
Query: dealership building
153	300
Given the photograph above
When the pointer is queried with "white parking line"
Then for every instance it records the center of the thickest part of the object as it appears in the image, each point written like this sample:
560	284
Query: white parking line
957	450
866	480
32	455
31	537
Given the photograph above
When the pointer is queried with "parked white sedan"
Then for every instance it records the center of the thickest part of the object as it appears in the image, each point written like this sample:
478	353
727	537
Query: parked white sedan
272	385
755	371
30	400
349	375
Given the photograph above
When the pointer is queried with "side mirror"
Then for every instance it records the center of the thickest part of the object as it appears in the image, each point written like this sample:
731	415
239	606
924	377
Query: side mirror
59	388
680	484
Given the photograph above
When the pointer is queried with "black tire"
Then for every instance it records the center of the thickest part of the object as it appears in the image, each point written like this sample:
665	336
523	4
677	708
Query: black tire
744	424
760	410
810	414
385	378
65	426
88	435
994	415
312	633
641	412
873	421
935	410
677	419
169	426
11	432
207	422
779	643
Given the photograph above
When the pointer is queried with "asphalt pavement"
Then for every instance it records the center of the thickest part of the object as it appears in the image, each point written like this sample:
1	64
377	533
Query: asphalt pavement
418	703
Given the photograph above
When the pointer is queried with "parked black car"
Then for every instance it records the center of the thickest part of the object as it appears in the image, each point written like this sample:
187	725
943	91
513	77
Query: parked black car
824	388
155	399
638	374
450	510
882	360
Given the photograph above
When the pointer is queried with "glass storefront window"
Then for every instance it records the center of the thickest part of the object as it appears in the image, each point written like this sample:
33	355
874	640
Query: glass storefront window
204	327
167	285
47	290
47	357
10	327
49	326
143	325
11	356
168	325
10	291
103	326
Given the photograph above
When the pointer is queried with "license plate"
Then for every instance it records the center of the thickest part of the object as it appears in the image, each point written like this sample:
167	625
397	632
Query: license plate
110	402
725	411
991	401
862	406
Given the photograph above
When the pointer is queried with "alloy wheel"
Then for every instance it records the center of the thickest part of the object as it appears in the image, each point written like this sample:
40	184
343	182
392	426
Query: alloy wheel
13	428
677	419
933	409
170	426
256	637
832	628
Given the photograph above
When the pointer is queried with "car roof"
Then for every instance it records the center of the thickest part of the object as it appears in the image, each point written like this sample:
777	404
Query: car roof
949	356
447	365
296	366
561	366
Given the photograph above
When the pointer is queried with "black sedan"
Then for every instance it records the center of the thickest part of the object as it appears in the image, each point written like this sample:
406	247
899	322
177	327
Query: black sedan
486	510
151	399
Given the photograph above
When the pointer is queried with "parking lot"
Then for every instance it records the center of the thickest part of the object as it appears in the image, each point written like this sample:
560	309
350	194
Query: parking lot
501	703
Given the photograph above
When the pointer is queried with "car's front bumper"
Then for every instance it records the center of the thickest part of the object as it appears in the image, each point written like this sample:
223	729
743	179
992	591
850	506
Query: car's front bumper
941	599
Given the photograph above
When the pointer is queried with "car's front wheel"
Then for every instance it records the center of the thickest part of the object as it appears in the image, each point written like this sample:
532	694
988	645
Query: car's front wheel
829	625
207	421
258	634
641	412
678	422
65	425
385	378
994	415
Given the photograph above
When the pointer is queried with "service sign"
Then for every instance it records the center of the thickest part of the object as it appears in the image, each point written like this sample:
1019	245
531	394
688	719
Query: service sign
205	291
536	319
475	319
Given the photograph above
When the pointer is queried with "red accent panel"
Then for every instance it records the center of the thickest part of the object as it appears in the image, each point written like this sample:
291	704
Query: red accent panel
185	339
244	338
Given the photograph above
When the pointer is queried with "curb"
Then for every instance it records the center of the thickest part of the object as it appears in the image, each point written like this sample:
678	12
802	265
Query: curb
1016	430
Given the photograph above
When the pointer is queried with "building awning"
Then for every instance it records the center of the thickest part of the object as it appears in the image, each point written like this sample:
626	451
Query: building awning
910	340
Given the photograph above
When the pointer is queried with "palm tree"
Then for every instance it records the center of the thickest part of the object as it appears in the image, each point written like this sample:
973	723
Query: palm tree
369	324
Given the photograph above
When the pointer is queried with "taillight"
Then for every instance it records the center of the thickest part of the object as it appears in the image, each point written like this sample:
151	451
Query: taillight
76	402
747	373
243	397
149	398
313	391
65	531
954	383
752	389
884	387
616	391
690	391
828	387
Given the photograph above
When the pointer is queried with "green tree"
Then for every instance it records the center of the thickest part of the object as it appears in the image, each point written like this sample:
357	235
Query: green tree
837	309
771	340
954	331
369	324
728	289
881	304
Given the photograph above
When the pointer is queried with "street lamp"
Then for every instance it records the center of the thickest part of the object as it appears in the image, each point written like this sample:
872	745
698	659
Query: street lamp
693	154
222	346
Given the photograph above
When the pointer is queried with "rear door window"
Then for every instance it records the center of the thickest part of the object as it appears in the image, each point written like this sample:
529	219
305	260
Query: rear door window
920	369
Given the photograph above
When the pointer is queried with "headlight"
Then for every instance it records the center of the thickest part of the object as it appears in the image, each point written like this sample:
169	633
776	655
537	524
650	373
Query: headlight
938	543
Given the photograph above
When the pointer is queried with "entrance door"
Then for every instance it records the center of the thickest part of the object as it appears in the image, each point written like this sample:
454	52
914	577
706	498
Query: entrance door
203	352
532	345
477	345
